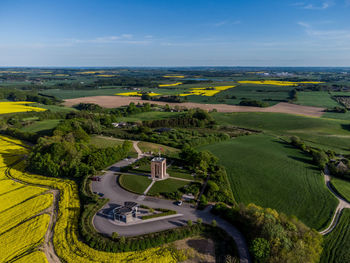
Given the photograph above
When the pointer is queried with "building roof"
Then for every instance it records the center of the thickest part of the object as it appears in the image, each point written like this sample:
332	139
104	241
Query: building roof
127	208
158	159
122	210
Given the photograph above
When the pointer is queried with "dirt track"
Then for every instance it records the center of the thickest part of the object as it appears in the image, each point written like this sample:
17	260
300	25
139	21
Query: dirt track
117	101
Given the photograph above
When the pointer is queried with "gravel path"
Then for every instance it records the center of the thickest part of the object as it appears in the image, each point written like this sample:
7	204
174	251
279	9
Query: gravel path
342	204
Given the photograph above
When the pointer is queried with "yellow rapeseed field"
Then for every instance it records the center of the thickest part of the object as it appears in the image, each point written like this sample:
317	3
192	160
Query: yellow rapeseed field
67	245
277	83
174	76
135	93
24	237
35	257
105	76
211	91
22	229
17	106
61	75
170	85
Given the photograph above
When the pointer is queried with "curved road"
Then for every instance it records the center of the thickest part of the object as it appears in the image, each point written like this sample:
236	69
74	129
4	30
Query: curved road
342	204
109	187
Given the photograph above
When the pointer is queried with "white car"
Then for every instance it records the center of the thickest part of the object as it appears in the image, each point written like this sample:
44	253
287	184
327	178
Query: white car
179	203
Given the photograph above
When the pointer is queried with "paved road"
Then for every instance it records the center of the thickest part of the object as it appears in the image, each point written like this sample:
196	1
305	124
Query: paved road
342	204
117	196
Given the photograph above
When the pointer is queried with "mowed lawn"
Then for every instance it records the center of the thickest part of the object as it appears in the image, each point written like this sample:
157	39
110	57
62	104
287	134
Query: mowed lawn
342	186
166	186
269	173
328	134
134	183
336	247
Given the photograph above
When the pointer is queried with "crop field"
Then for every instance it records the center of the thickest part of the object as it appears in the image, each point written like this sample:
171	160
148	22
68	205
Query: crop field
342	186
269	173
34	257
134	183
316	98
277	83
320	132
67	245
166	186
18	106
336	248
22	228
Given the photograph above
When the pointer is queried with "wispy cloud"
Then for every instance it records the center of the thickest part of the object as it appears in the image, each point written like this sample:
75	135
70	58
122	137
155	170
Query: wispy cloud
226	22
339	35
310	6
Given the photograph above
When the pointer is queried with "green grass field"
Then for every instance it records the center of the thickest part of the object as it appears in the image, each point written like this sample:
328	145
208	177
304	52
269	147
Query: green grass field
328	134
174	171
55	108
155	148
342	186
336	248
134	183
166	186
104	142
41	126
270	173
316	98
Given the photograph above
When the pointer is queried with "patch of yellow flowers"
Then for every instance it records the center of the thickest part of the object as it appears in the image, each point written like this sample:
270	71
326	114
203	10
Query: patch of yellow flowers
170	85
277	83
174	76
135	93
210	91
22	227
17	106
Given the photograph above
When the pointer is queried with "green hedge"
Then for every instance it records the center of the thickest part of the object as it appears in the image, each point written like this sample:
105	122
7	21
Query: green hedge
169	212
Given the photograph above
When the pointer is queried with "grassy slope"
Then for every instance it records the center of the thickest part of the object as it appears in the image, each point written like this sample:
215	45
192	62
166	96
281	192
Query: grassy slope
39	126
134	183
323	133
266	172
342	186
166	186
104	142
154	147
337	243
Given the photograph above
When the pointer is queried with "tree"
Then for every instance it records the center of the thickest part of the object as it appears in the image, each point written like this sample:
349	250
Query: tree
189	223
260	248
115	235
214	223
200	221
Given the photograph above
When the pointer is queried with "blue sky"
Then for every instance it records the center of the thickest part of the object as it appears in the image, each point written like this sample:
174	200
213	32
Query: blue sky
175	33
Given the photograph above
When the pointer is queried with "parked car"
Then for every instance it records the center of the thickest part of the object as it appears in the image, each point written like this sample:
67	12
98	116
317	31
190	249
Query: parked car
178	203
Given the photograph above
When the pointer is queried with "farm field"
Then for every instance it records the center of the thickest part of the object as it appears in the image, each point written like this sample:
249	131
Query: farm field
265	171
23	227
316	98
18	106
336	247
323	133
166	186
65	239
134	183
342	186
